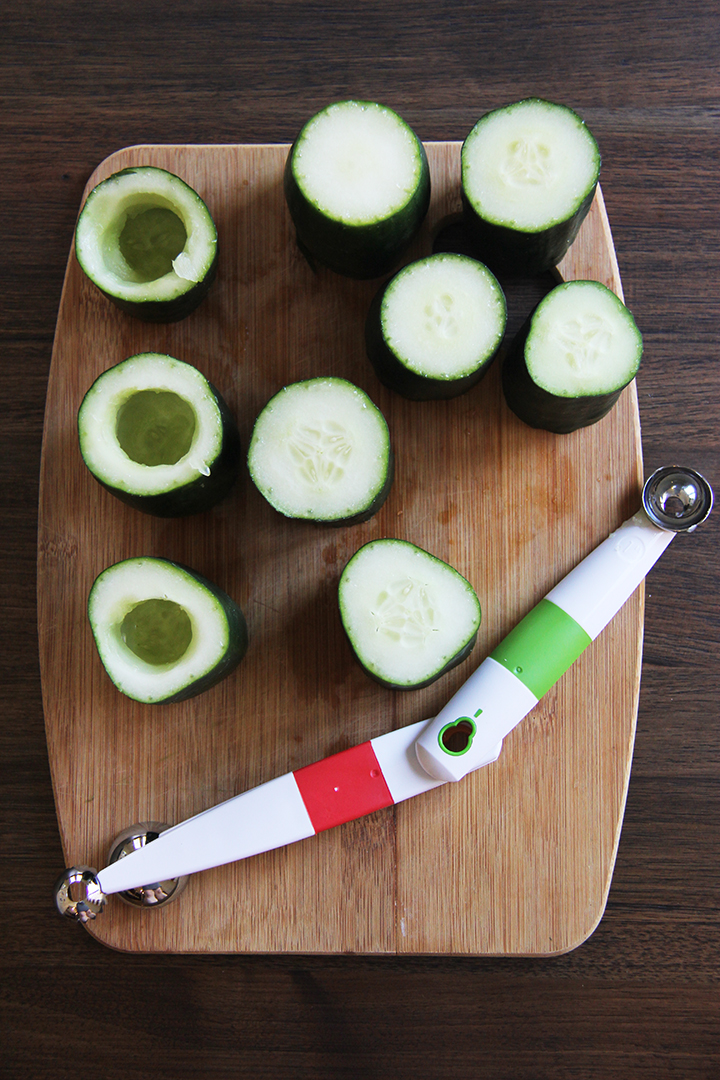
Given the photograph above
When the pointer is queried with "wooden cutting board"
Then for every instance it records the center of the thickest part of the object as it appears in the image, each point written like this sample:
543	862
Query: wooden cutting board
516	859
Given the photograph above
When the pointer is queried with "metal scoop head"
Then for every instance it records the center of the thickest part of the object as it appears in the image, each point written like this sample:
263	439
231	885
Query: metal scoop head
677	499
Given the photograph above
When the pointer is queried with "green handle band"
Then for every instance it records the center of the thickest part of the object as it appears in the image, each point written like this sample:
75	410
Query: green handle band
542	647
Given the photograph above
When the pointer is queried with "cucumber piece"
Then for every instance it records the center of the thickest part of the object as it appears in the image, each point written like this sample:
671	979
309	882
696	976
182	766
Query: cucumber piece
529	173
408	615
148	242
164	633
357	185
320	450
435	327
572	358
159	436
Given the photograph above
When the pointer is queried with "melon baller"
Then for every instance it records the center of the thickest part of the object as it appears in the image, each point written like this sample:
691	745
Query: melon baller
149	863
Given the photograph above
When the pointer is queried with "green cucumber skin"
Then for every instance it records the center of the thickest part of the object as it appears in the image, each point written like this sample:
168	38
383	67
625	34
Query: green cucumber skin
539	409
238	641
452	662
512	251
202	493
356	251
168	311
163	311
400	379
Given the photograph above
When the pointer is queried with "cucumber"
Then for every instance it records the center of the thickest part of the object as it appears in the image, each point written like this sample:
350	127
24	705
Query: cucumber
159	436
409	616
434	328
148	242
163	632
320	450
571	360
528	177
357	185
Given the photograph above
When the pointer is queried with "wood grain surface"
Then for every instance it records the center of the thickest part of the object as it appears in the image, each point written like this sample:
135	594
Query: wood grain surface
639	999
515	860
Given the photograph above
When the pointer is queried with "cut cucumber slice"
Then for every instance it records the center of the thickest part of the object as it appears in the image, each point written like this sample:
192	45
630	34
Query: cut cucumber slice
163	632
357	185
434	328
320	450
529	173
573	357
409	616
148	242
159	436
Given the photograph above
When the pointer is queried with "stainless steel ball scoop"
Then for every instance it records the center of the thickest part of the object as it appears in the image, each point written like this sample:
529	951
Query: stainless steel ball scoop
149	863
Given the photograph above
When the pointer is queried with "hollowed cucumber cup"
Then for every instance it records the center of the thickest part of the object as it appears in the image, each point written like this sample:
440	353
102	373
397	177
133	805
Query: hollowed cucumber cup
164	633
159	436
146	239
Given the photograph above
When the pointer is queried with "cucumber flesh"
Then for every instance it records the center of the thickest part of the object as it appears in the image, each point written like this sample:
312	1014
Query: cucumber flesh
320	450
163	632
573	357
357	185
529	174
157	434
408	615
146	239
435	327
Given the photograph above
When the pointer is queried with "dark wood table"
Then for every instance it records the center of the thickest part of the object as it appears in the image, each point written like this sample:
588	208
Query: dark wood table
641	997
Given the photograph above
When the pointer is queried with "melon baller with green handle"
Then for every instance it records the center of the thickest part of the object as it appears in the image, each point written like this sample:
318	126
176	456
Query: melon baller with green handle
467	734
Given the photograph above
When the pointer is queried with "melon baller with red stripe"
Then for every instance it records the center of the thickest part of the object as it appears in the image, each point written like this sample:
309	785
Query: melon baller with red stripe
467	734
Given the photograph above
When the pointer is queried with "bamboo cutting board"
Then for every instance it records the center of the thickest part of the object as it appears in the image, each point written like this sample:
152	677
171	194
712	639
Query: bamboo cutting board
516	859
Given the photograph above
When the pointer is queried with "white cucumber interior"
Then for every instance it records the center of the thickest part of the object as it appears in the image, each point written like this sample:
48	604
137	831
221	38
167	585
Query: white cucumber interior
442	316
530	165
157	629
357	162
582	341
144	235
320	450
149	425
406	613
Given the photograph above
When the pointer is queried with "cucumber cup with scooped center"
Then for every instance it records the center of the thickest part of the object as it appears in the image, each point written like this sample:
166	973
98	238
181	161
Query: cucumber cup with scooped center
163	632
159	436
146	239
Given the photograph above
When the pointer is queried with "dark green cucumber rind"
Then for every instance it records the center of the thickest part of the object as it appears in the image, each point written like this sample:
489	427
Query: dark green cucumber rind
537	407
397	377
161	311
167	311
452	662
238	640
202	493
356	251
513	251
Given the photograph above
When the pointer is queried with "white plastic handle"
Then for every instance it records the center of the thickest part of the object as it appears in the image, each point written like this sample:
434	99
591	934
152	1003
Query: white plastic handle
464	736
